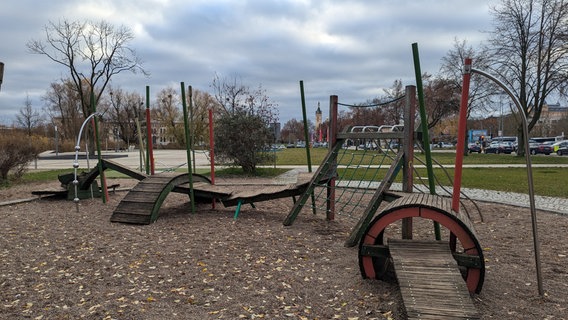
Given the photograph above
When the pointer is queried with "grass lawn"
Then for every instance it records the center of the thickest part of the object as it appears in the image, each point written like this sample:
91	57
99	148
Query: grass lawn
547	181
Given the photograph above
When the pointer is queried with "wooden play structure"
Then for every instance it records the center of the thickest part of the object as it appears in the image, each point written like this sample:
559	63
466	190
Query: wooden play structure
436	277
427	270
142	203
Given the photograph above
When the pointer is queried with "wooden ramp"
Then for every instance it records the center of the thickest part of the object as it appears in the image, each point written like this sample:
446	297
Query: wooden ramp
142	204
431	284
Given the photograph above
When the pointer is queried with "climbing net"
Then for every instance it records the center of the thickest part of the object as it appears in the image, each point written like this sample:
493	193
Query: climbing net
357	168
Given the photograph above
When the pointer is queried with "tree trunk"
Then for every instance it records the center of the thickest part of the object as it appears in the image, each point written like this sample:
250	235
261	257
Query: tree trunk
520	142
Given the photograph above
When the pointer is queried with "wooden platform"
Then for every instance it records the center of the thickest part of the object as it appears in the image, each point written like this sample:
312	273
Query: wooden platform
430	282
142	204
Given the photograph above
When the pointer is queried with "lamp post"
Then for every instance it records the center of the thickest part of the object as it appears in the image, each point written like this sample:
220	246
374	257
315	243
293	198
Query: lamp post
56	143
116	145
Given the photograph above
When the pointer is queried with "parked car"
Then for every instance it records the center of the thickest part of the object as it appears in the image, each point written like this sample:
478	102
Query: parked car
474	147
562	149
445	145
540	148
511	139
498	147
559	144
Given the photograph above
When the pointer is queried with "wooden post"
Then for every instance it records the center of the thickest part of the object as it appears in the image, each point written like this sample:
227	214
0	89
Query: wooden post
332	140
188	143
212	152
408	149
150	143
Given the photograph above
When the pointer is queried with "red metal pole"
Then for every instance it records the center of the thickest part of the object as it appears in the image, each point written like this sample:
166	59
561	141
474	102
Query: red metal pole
212	152
460	147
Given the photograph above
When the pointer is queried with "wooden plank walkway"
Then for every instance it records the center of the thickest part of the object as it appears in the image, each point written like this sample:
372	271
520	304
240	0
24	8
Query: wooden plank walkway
142	204
430	282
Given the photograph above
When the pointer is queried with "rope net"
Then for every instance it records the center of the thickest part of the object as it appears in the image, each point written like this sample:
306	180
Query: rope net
358	168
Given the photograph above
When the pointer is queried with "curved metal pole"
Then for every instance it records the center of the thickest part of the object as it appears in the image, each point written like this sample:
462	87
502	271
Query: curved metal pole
76	163
529	174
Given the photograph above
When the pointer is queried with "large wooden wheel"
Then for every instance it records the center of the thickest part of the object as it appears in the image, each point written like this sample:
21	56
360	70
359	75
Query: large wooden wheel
374	258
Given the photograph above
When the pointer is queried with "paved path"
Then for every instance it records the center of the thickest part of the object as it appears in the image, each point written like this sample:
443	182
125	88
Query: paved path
168	159
163	159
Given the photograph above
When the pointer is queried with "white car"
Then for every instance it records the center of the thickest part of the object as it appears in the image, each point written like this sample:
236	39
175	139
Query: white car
557	145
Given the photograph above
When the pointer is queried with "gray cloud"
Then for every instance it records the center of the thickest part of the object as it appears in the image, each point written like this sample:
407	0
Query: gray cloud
350	48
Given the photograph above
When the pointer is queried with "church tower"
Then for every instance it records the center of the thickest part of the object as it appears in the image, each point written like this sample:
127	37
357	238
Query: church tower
318	123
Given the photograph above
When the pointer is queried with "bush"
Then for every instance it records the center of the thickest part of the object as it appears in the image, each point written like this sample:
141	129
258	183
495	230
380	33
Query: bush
240	138
16	152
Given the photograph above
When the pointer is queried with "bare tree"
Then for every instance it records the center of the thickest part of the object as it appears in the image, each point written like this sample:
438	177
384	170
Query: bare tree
528	52
169	115
93	53
124	108
202	103
229	93
481	91
293	130
393	112
28	118
441	97
63	106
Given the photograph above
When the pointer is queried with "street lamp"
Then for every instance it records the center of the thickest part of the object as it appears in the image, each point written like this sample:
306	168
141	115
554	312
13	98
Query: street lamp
56	143
501	119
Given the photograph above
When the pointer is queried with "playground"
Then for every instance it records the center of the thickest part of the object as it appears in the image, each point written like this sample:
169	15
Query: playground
335	243
58	264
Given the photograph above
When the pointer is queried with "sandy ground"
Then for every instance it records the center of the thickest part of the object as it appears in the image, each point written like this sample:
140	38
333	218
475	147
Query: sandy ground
57	263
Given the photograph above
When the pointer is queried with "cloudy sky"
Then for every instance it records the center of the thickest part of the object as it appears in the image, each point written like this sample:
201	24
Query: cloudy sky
353	49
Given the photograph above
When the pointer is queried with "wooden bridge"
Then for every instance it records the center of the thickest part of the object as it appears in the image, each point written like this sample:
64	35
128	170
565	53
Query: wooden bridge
142	203
428	272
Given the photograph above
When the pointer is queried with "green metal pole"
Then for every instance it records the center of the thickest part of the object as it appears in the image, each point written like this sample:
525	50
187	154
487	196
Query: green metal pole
424	126
192	126
306	136
188	144
306	133
98	144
